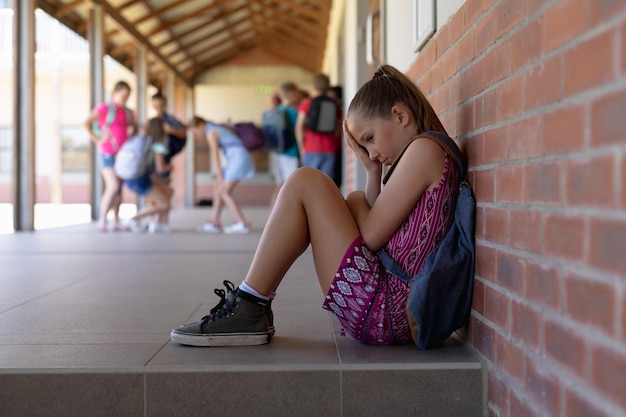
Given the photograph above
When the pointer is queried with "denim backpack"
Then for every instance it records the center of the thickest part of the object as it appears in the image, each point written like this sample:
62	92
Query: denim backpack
441	293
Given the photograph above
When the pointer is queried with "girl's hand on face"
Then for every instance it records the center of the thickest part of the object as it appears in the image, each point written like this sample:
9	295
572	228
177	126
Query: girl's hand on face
360	151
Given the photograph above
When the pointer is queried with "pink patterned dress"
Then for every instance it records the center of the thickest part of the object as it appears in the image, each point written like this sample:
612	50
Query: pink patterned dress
369	301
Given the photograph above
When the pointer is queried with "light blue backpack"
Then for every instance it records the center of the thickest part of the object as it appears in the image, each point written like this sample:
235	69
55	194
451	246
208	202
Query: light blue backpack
134	158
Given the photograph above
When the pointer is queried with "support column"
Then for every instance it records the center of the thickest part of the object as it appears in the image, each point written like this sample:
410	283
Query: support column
141	72
190	153
24	116
95	36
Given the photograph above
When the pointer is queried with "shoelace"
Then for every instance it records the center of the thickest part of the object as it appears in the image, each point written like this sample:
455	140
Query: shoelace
225	305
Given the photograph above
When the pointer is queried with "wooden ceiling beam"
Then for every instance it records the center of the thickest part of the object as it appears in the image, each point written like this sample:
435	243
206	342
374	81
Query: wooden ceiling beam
190	15
115	15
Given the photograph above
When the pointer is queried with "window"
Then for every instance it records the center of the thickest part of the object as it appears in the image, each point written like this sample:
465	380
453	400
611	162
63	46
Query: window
6	150
74	149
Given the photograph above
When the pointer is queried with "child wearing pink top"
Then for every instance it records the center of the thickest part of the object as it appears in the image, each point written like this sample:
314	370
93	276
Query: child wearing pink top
109	126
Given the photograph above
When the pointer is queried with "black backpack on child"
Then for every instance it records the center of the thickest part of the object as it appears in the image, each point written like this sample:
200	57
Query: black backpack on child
322	116
440	300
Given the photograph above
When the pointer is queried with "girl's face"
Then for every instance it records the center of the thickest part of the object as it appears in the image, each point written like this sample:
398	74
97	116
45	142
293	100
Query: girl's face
383	138
120	96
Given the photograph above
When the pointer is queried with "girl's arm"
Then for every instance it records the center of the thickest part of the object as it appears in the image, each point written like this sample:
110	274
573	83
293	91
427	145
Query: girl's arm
214	145
299	131
93	117
418	170
160	165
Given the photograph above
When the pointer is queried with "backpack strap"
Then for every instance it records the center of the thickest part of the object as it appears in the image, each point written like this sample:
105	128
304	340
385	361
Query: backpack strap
449	146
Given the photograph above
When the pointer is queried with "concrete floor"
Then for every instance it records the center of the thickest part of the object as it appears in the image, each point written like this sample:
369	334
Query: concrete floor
76	302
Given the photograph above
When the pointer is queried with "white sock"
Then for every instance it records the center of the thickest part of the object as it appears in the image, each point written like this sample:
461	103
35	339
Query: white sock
245	287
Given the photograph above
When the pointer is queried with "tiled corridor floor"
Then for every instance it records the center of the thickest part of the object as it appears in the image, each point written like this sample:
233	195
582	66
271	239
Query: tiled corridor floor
75	301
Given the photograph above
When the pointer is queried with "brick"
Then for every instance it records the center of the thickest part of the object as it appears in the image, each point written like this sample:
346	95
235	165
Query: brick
602	10
425	60
449	63
543	387
480	223
589	64
623	54
457	95
465	118
478	297
565	346
486	262
474	78
423	83
525	230
456	25
465	49
563	21
484	185
590	181
485	32
527	44
497	307
563	130
449	121
497	63
544	83
436	76
496	143
543	183
496	225
483	338
608	124
525	140
485	109
510	358
532	6
608	373
543	285
564	237
474	147
509	13
519	407
622	181
441	37
590	302
497	391
607	243
525	325
510	184
510	98
473	11
577	406
511	270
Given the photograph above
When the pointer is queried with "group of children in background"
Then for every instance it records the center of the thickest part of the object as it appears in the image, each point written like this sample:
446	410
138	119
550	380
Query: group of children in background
313	121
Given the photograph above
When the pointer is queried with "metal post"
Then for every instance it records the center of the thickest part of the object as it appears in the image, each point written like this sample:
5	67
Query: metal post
24	116
95	36
190	154
141	72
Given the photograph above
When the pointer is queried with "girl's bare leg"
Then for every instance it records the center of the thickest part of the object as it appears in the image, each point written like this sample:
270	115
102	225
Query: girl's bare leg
156	201
218	203
111	185
309	209
230	201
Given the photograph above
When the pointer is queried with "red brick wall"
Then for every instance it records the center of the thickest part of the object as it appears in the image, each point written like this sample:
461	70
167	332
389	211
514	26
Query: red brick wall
535	90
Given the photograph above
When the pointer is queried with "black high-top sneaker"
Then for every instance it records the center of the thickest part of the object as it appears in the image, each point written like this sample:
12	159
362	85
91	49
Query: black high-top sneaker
238	322
270	317
230	292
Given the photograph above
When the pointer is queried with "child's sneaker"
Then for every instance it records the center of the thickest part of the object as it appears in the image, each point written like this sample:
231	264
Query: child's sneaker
210	228
154	227
134	226
239	227
238	322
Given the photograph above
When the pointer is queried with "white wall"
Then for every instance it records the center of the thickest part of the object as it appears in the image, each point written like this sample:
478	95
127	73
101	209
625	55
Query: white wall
399	23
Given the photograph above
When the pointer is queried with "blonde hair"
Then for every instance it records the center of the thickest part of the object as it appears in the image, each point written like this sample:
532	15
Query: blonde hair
389	87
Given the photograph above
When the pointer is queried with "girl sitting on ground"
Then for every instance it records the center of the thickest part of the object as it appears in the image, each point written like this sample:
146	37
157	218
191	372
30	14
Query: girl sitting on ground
150	185
407	218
